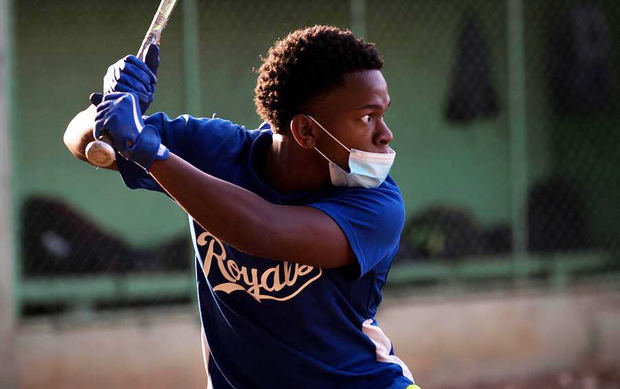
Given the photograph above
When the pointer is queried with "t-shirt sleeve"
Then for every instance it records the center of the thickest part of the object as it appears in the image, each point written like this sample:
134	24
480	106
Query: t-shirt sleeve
371	219
199	141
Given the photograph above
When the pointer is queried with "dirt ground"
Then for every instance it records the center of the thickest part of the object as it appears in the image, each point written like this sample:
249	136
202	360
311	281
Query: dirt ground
592	377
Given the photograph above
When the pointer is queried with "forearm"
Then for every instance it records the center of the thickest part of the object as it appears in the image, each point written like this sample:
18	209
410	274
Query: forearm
80	132
251	224
237	216
218	206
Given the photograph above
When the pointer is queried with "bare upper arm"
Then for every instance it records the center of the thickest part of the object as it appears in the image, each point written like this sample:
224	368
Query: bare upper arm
306	235
79	134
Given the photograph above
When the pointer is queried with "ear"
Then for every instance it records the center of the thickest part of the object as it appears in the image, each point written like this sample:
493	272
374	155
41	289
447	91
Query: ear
304	131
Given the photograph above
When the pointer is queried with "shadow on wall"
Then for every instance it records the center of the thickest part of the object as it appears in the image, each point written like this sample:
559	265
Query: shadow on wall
58	240
448	232
556	220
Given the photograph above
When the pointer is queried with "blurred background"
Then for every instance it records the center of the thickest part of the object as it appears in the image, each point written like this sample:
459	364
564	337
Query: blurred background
506	117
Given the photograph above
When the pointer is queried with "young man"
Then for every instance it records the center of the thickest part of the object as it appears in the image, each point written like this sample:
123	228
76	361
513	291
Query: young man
294	225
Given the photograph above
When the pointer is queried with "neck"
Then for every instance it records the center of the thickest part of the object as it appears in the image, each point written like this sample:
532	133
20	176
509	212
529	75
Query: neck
289	167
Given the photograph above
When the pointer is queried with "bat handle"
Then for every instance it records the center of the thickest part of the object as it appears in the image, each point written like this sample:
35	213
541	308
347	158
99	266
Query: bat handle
100	152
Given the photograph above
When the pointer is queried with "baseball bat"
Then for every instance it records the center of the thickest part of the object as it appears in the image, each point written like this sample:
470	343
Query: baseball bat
100	152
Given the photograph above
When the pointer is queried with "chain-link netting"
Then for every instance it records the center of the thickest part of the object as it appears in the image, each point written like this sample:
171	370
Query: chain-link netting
573	116
484	156
453	71
83	237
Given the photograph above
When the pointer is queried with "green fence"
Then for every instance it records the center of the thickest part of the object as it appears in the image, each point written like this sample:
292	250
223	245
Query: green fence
505	116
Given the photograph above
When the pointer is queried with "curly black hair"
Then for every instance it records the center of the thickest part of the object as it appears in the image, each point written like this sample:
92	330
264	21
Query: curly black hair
304	65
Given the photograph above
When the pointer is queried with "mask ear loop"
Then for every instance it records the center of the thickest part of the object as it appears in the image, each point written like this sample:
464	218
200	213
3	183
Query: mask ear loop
324	156
333	137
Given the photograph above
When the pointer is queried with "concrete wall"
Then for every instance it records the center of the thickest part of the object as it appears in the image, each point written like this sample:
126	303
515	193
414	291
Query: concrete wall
443	341
490	337
139	352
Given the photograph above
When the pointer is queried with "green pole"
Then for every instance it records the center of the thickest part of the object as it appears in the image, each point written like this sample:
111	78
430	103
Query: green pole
10	156
518	134
191	61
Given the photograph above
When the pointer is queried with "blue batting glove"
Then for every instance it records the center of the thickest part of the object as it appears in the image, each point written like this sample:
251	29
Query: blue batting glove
132	75
119	117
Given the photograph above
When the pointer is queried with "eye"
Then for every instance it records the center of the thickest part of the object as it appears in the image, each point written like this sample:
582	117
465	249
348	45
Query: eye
365	119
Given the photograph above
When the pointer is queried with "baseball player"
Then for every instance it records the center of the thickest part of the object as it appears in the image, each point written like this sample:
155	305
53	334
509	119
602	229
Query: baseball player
294	224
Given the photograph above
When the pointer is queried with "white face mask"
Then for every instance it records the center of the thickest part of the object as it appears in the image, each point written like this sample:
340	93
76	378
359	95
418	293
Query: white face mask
366	169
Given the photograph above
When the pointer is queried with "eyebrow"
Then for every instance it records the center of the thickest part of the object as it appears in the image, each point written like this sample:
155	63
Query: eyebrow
373	106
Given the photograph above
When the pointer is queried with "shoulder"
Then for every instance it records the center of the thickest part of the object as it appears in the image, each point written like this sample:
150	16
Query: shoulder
197	137
384	202
215	126
380	210
371	219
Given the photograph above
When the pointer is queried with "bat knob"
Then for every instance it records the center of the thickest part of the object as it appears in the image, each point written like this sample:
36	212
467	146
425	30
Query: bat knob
100	154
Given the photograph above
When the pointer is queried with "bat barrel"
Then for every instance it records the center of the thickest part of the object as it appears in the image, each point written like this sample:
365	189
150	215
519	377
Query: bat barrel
158	24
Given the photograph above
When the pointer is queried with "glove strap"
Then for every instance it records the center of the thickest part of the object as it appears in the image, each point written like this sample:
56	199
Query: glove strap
148	148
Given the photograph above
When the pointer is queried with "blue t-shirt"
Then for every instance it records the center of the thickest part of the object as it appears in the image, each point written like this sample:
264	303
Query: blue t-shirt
276	323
